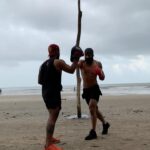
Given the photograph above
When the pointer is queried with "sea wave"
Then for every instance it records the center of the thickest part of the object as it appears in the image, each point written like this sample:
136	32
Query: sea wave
107	89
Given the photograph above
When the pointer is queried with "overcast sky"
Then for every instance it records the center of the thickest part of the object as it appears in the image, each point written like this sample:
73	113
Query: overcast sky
117	30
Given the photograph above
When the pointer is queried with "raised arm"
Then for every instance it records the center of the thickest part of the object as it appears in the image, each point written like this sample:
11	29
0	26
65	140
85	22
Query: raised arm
62	66
99	71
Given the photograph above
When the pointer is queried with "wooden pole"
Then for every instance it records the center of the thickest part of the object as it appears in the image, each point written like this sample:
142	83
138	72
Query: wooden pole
77	70
79	24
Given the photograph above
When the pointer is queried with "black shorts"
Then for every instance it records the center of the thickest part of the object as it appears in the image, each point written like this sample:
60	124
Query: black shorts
91	93
52	98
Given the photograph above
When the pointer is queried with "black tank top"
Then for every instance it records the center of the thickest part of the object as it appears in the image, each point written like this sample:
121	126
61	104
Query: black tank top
52	77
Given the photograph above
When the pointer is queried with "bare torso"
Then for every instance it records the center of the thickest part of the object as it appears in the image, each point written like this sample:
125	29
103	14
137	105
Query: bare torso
88	75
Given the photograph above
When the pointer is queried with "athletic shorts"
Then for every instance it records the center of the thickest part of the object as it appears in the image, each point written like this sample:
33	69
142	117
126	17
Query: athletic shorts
52	98
91	93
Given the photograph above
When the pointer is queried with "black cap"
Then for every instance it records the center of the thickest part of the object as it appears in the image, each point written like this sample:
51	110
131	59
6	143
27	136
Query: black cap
89	51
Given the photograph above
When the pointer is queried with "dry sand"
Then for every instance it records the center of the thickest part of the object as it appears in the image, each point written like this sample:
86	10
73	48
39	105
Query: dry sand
23	120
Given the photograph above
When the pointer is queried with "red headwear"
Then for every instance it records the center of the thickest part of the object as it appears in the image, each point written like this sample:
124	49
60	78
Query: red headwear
53	50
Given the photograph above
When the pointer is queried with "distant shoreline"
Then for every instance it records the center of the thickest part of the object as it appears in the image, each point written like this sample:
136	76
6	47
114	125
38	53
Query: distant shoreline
107	89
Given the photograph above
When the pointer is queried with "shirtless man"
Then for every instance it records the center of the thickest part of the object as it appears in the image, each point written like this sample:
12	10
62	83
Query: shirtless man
50	79
90	69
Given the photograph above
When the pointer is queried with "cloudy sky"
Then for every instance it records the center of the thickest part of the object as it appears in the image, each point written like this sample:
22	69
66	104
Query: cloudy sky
117	30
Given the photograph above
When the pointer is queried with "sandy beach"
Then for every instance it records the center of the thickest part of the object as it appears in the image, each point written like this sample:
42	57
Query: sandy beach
23	120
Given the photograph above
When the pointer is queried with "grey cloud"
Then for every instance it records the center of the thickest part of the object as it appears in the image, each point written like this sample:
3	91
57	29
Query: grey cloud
111	27
121	28
48	15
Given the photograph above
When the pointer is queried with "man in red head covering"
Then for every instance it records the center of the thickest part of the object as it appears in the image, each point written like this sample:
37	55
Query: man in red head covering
50	79
53	51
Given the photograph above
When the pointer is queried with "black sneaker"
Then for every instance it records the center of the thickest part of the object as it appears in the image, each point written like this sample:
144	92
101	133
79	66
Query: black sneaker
105	128
92	135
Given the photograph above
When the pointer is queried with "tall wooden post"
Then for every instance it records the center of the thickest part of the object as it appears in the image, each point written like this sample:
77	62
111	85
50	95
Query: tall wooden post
77	70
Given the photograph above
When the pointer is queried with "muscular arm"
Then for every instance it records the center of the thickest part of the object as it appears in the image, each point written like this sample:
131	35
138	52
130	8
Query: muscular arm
102	77
61	65
99	64
80	64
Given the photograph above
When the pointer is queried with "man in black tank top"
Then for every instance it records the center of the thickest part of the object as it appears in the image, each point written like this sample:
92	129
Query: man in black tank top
52	85
50	78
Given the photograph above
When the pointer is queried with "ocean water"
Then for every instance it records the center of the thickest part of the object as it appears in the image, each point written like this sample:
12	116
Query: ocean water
107	89
126	89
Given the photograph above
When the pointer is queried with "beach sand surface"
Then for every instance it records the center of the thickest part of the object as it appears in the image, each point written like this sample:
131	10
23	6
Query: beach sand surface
23	120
